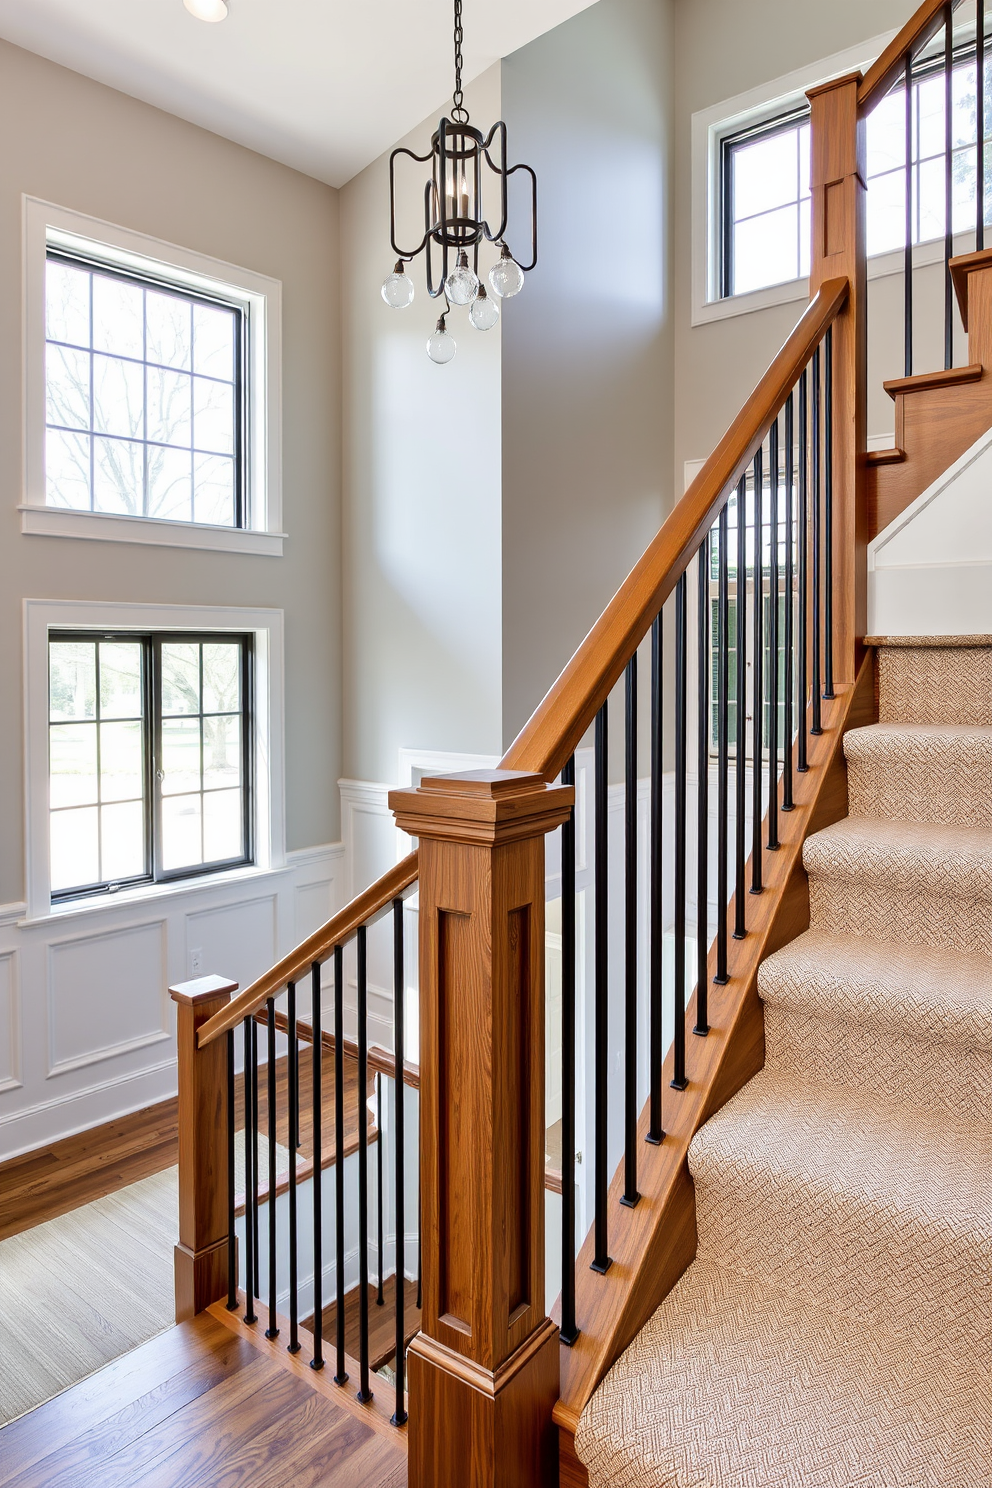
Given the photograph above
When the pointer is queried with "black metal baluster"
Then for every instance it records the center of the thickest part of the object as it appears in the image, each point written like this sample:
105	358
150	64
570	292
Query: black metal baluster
679	1081
757	676
790	476
569	1332
630	1195
293	1071
380	1300
272	1331
399	1136
802	650
723	765
740	708
908	250
256	1288
656	1131
948	184
316	1074
250	1316
701	1025
364	1392
817	450
980	125
772	842
341	1373
232	1242
601	1259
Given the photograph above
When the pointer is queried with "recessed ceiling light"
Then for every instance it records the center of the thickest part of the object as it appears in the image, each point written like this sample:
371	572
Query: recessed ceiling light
207	10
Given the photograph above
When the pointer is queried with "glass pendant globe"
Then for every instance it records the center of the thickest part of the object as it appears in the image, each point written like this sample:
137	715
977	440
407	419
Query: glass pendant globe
461	285
506	277
207	10
397	289
484	312
442	346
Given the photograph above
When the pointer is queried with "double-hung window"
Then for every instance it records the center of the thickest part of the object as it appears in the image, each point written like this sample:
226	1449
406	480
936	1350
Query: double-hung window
150	757
765	204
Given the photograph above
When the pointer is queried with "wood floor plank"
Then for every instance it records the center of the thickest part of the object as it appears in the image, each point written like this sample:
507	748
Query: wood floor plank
382	1322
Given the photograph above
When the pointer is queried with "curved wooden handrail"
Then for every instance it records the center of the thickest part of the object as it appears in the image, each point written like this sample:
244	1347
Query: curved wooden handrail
317	947
911	39
558	724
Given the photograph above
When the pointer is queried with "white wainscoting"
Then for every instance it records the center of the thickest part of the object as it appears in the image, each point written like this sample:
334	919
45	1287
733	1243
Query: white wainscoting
87	1030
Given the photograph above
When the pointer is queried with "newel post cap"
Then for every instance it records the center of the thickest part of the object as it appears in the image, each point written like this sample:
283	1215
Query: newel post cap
482	806
203	989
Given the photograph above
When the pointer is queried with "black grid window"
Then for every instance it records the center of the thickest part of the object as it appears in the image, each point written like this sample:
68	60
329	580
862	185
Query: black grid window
144	398
150	755
765	204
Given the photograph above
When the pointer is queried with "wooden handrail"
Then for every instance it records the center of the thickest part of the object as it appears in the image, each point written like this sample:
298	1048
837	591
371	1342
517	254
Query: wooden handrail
911	39
340	928
558	724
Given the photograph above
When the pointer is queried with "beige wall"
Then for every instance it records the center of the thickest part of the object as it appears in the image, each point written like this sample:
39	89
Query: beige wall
86	147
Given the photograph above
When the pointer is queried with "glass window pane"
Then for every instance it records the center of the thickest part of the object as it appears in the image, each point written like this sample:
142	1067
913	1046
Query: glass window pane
169	483
765	173
766	250
214	490
118	318
213	416
120	679
75	848
121	775
221	826
221	752
963	96
213	342
931	200
221	677
805	231
180	677
118	396
804	177
886	214
964	184
67	304
118	476
72	679
886	135
123	841
67	386
181	841
180	762
169	407
72	764
168	329
930	110
67	470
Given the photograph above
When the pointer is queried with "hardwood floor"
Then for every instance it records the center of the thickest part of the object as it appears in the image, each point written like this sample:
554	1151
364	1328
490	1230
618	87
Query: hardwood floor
382	1322
202	1404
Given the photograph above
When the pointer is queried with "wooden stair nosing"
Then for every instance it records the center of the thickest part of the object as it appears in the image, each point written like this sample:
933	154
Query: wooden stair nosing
922	382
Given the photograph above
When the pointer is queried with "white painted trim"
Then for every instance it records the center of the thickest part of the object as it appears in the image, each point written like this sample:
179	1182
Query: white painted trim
300	857
114	1082
258	295
110	1050
54	521
441	762
41	615
13	1081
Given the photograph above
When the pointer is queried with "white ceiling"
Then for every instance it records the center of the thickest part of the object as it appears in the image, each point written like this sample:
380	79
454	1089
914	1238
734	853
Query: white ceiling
322	85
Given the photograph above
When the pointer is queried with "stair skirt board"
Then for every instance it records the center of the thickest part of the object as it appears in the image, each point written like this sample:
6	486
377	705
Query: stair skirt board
835	1329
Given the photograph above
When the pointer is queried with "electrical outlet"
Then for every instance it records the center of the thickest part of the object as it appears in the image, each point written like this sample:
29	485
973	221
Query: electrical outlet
196	962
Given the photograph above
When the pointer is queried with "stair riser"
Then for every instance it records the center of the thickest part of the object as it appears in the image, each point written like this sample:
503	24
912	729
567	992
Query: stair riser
938	684
908	914
911	787
929	1074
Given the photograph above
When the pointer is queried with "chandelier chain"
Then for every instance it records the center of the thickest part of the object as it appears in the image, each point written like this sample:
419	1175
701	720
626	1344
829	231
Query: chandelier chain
459	112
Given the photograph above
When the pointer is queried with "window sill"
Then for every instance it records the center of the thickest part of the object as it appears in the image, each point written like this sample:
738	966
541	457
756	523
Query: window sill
146	894
52	521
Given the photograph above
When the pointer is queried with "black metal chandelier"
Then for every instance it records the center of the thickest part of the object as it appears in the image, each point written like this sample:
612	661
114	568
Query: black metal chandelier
455	220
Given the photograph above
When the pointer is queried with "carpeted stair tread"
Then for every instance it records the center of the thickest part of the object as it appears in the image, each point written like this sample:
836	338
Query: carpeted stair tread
924	992
906	854
921	772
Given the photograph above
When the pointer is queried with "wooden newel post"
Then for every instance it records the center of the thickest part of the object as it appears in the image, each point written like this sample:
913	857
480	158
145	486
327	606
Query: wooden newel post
484	1370
837	249
201	1257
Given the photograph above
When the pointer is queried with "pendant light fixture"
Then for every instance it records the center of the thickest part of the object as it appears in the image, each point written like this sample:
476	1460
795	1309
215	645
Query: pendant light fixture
468	178
208	10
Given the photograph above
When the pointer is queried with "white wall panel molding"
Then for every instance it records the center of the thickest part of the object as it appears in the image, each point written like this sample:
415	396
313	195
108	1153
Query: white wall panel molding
106	995
10	1042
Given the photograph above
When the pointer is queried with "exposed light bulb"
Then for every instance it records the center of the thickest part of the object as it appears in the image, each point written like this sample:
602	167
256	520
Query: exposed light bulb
208	10
484	312
461	285
506	277
441	347
397	288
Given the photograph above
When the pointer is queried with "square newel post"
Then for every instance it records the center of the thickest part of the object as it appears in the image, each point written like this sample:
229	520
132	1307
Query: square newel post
838	249
201	1257
484	1370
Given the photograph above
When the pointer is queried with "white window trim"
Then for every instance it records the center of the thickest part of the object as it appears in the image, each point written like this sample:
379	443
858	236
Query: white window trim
46	224
709	127
41	616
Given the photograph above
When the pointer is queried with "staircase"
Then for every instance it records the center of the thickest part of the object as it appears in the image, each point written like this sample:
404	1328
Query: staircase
836	1325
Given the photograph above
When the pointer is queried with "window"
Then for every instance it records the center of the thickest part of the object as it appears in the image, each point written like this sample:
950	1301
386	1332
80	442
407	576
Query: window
150	757
766	204
144	398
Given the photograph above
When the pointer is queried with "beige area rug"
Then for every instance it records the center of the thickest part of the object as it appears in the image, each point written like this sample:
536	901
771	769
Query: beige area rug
80	1290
